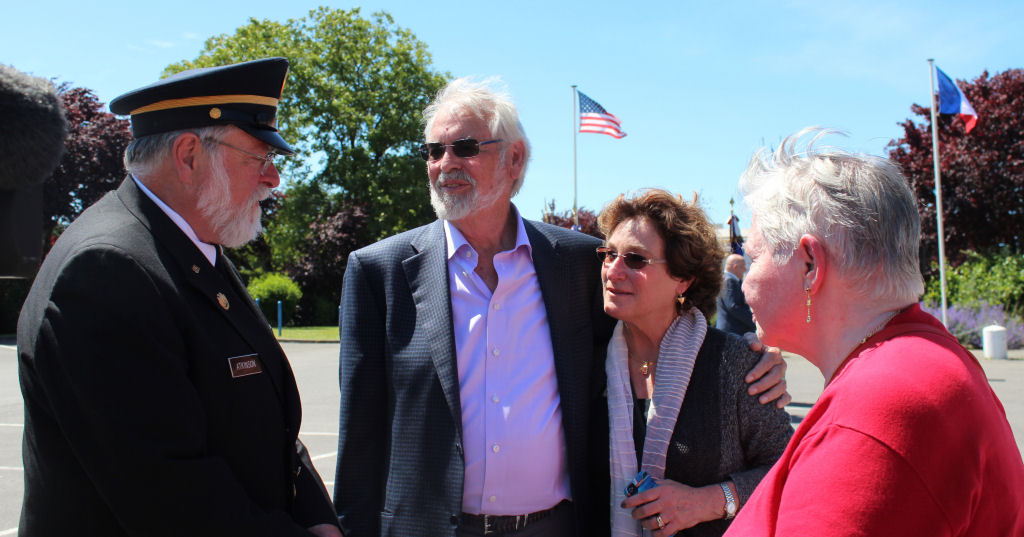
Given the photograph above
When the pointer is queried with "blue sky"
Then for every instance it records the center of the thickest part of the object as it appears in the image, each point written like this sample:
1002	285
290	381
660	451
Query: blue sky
698	85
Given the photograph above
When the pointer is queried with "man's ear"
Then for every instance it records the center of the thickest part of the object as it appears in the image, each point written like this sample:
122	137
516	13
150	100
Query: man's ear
185	155
515	159
812	253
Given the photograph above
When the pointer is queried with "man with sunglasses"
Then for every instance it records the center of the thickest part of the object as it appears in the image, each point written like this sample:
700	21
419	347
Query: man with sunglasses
157	400
472	348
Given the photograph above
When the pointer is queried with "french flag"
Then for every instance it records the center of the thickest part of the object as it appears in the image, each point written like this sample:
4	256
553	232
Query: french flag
953	101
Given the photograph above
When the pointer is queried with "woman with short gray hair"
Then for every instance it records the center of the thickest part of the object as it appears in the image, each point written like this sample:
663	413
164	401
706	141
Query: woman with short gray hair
907	437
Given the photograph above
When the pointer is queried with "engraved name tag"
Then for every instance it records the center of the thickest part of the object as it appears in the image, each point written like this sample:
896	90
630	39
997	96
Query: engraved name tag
245	365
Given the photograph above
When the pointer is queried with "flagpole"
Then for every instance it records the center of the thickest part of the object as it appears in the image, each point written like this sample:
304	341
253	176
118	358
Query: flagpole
575	109
941	237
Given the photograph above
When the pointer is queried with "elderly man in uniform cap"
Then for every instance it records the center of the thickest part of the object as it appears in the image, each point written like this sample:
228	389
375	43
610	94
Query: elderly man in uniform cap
157	401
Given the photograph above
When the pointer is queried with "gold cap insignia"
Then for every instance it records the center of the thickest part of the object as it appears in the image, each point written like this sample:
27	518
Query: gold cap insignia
215	112
223	301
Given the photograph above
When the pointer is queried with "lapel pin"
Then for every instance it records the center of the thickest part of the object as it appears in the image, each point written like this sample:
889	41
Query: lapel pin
223	301
195	268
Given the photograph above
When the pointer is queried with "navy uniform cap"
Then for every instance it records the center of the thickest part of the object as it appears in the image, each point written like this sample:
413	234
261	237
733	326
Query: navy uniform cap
243	94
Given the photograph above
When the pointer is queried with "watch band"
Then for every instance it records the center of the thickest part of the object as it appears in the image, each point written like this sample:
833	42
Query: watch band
730	502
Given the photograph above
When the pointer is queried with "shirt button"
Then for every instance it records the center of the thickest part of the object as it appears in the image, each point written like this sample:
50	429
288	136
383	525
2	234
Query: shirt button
495	352
493	499
497	307
469	254
495	448
494	399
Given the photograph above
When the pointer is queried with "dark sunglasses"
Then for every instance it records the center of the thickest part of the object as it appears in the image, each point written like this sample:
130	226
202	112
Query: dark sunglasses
464	148
632	260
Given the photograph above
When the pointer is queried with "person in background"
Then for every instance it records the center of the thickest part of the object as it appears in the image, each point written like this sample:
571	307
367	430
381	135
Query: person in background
472	353
678	404
733	312
907	437
157	400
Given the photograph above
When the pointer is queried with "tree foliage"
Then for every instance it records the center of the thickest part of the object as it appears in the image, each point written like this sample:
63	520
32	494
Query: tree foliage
587	219
351	105
322	267
271	288
93	161
982	171
996	278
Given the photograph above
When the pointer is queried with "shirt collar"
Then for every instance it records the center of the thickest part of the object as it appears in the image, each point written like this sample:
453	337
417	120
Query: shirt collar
209	251
456	241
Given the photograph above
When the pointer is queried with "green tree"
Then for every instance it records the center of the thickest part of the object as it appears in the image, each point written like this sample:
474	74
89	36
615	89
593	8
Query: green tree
351	106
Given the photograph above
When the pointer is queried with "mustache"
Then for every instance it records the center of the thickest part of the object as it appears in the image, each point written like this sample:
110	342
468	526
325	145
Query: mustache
455	175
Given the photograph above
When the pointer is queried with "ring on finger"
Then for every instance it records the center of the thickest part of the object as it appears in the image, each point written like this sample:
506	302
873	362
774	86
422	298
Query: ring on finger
661	523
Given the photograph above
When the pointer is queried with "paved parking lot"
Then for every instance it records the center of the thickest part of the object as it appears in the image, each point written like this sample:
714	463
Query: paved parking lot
316	371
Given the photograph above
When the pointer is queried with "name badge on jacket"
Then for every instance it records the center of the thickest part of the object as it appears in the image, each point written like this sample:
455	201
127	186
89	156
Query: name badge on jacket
245	365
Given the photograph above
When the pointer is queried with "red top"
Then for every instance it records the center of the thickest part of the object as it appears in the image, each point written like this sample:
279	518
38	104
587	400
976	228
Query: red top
907	439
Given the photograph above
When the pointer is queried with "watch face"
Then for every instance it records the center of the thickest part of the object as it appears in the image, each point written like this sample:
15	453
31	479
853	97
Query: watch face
731	508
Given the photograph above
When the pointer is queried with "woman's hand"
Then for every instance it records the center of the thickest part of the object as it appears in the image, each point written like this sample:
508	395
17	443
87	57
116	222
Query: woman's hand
680	506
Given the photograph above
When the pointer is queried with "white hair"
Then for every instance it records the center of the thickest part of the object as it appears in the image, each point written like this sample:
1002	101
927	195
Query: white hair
486	101
142	154
860	207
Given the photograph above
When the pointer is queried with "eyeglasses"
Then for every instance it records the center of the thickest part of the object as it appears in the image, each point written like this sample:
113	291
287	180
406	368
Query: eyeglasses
267	159
464	148
632	260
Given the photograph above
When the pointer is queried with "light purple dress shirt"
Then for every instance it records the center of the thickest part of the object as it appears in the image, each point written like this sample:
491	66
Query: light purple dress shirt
513	438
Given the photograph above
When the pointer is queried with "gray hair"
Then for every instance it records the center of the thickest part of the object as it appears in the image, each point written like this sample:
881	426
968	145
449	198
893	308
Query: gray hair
493	106
142	154
860	206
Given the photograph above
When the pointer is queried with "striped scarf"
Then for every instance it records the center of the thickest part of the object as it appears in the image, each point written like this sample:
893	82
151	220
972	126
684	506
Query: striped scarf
676	356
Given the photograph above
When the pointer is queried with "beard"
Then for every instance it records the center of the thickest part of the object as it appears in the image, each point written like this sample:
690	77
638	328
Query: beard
233	226
451	206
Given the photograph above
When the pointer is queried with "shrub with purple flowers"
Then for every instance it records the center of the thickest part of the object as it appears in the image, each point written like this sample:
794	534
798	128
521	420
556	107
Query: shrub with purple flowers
966	323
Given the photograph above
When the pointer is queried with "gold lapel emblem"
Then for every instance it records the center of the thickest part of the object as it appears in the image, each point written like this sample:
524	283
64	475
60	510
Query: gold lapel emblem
195	268
223	301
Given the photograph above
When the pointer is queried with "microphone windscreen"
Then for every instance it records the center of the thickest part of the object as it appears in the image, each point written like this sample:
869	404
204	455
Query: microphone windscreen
33	129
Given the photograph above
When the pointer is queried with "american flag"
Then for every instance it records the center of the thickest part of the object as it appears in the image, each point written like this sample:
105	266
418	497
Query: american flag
594	118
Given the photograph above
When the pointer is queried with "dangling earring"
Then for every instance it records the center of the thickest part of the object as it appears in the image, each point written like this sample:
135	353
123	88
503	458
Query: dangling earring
808	291
681	300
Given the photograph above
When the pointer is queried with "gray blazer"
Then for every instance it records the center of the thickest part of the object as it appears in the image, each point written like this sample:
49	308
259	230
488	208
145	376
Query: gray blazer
400	461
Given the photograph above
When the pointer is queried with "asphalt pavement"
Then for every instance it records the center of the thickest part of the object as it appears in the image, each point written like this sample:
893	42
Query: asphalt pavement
316	371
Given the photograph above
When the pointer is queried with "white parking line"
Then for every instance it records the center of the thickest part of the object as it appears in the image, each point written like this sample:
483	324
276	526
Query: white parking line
10	348
325	456
12	531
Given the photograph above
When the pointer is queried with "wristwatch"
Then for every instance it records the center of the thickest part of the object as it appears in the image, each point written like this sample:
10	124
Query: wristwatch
730	502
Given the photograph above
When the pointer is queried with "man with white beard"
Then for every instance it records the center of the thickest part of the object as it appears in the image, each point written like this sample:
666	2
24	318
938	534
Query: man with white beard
472	353
157	400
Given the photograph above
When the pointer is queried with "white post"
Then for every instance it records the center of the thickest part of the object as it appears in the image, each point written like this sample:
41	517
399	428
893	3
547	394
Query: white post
575	129
940	235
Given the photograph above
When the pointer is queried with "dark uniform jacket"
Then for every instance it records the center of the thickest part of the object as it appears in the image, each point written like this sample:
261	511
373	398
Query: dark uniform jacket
400	459
734	314
138	421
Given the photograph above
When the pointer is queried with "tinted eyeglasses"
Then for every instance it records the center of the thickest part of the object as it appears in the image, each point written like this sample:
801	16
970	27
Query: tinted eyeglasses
464	148
632	260
267	159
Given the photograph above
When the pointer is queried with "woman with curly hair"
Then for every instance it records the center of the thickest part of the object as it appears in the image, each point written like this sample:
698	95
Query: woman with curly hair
678	404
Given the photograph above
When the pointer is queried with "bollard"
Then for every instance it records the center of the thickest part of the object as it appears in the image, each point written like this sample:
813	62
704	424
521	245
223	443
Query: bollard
278	318
993	342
